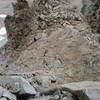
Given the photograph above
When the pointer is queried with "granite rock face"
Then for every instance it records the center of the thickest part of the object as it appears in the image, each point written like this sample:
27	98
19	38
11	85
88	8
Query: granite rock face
51	44
66	48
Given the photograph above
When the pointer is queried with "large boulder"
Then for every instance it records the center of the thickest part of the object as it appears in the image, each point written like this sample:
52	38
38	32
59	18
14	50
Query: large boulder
87	90
66	47
17	85
69	53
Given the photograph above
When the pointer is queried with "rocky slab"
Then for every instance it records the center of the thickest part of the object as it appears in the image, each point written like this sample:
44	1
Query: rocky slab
17	85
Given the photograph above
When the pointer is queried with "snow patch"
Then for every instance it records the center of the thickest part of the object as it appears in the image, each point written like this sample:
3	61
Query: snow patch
3	37
3	31
3	16
3	41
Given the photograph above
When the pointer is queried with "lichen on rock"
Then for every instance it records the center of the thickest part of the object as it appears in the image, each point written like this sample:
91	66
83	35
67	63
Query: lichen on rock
18	26
42	15
92	13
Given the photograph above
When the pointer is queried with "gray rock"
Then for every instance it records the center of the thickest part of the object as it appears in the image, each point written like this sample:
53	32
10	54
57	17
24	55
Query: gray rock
18	85
6	94
87	90
65	98
93	94
3	98
46	83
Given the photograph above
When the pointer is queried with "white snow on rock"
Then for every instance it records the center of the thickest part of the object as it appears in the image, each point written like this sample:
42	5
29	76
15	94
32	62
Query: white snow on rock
3	31
3	37
3	16
3	41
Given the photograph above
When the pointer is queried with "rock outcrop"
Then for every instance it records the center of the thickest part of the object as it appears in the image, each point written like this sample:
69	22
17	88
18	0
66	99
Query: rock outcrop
17	85
85	90
56	46
66	47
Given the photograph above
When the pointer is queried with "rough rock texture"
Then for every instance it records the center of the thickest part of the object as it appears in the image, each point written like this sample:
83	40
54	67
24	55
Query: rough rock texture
17	85
92	13
18	26
87	90
51	44
66	48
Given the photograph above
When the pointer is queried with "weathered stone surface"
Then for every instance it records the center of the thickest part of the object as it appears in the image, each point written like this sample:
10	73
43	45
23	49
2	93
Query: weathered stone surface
46	14
17	84
87	90
18	26
69	53
67	50
5	93
63	46
82	85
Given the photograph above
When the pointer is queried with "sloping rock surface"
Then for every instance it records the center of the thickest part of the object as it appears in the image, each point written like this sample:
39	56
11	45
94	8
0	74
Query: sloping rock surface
51	43
17	84
66	48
